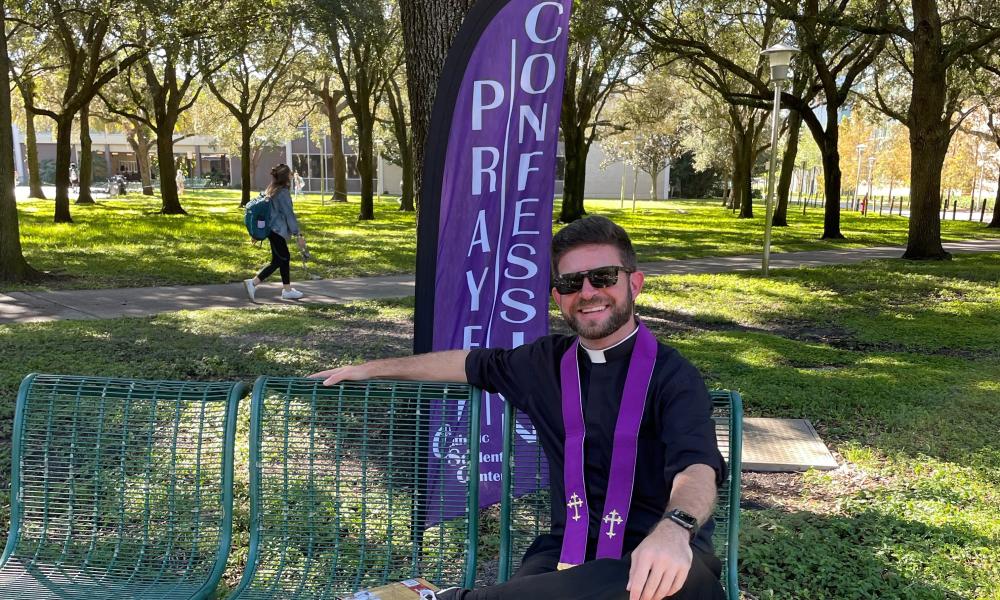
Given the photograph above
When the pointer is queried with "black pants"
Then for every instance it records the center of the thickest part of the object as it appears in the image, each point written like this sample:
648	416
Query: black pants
281	259
604	579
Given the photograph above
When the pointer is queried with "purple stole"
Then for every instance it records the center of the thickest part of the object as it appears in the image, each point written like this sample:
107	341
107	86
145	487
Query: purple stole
618	497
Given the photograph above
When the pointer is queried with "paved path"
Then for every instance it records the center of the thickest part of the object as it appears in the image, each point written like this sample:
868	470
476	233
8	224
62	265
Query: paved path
28	307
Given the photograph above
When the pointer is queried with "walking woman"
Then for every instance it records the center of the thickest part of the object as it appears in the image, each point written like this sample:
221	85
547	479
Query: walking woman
284	226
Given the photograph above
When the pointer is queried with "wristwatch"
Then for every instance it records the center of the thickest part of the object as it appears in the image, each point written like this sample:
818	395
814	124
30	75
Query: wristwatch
685	520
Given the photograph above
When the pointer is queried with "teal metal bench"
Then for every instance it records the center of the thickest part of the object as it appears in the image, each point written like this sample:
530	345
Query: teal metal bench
341	493
120	488
525	518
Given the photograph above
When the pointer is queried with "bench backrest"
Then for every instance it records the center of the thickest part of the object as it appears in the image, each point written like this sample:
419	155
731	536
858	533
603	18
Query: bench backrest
120	481
528	516
345	494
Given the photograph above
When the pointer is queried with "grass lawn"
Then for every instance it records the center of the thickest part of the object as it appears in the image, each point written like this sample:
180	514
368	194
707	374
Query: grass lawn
125	243
896	363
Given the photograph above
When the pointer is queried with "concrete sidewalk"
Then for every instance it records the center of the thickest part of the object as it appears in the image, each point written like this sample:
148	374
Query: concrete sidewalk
31	307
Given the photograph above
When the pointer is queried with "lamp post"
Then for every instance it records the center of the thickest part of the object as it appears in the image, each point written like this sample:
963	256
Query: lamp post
621	203
857	179
869	196
975	183
779	57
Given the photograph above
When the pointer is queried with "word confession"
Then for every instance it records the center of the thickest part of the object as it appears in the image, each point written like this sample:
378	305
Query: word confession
495	188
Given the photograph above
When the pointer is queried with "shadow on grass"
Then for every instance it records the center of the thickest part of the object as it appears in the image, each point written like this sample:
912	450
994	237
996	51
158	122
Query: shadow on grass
882	306
127	243
866	555
204	345
915	403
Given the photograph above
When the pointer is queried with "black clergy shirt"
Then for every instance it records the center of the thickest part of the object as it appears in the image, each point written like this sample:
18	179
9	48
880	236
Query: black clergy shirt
676	432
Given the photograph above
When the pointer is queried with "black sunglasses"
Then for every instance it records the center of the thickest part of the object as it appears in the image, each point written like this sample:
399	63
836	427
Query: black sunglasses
601	277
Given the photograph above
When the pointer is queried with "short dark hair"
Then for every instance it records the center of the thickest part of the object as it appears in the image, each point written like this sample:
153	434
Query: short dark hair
589	231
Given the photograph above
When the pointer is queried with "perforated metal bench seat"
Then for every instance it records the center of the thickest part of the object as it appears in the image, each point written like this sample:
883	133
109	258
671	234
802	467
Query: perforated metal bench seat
120	488
343	491
526	517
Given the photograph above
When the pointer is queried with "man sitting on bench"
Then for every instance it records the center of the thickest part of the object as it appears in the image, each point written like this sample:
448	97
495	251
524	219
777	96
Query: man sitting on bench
626	426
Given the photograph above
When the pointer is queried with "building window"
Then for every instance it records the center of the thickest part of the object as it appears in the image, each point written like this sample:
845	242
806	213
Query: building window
310	166
300	164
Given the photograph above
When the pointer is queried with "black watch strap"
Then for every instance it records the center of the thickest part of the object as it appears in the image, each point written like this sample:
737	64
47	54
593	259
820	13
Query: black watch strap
685	520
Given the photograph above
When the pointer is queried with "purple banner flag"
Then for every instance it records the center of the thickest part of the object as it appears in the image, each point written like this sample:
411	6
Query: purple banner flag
486	214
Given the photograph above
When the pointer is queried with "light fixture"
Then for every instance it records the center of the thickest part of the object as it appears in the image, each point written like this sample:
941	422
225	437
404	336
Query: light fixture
780	57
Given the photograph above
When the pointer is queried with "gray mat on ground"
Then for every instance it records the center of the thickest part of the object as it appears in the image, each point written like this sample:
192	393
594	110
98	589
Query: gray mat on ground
783	445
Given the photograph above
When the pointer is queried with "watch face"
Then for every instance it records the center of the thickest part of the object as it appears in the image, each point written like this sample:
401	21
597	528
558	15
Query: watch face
683	518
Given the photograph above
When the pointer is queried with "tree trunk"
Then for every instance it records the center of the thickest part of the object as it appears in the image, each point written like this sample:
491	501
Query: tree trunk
831	191
13	267
930	133
575	179
245	175
429	27
995	222
86	157
924	242
742	179
332	108
64	132
735	187
337	153
366	166
575	142
141	145
170	202
402	135
827	139
780	217
406	202
405	144
31	144
31	140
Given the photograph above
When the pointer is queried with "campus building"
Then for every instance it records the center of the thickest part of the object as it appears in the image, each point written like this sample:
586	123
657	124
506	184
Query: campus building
312	156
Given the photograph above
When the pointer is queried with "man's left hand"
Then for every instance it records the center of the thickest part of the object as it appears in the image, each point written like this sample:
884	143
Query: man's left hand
660	564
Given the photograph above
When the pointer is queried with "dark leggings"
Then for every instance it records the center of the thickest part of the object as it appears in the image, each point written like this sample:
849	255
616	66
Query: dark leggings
281	259
605	579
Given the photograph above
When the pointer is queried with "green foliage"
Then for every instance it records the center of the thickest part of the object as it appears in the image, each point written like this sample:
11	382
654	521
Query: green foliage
897	366
892	361
693	229
126	243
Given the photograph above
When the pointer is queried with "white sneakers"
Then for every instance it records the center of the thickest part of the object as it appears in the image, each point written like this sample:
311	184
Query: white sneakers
251	289
289	294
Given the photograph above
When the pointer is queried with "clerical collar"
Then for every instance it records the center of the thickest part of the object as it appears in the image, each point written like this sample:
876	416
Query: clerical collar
612	352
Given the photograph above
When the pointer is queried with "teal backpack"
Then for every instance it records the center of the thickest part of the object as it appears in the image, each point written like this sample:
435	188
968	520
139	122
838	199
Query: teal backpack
257	217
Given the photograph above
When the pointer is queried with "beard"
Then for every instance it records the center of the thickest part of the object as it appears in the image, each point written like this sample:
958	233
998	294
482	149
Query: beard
620	315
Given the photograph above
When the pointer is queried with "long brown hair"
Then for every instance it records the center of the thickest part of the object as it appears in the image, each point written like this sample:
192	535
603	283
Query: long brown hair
280	175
